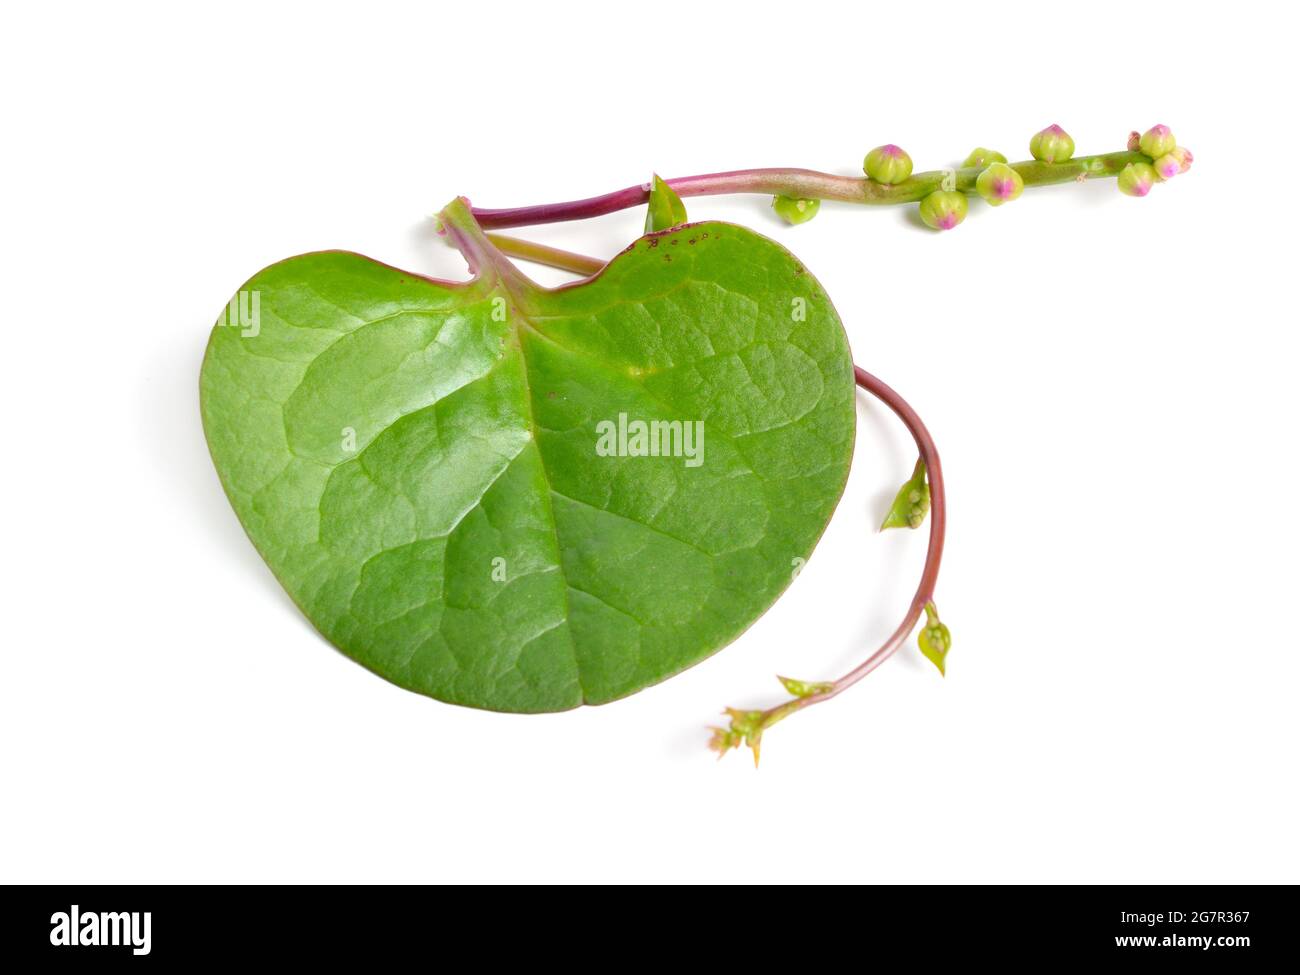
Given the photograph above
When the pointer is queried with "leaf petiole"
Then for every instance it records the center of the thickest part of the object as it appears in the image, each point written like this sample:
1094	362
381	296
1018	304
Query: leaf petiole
547	256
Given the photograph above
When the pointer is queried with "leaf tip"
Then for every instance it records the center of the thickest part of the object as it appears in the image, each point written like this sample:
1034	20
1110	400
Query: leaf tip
803	688
665	208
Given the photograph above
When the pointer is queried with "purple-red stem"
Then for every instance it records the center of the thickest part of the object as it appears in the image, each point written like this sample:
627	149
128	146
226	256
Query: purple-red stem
808	184
938	523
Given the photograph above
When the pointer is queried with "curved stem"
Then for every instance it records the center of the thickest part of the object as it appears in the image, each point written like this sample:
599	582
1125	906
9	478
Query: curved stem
762	720
938	524
808	184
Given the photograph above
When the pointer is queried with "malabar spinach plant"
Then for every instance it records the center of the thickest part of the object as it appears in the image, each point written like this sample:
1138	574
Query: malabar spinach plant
523	498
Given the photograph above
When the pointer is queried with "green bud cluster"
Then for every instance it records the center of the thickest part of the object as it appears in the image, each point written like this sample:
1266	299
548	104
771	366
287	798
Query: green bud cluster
1168	159
934	639
912	503
998	181
746	728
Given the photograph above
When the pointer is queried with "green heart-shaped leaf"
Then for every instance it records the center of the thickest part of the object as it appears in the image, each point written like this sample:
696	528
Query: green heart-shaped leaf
446	477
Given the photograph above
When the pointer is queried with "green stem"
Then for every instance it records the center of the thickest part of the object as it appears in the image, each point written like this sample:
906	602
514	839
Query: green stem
548	256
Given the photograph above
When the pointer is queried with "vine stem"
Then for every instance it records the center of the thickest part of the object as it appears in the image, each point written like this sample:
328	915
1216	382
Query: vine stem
762	720
808	184
934	552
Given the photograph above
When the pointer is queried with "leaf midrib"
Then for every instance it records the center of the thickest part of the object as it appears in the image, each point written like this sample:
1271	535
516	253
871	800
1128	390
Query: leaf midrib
515	305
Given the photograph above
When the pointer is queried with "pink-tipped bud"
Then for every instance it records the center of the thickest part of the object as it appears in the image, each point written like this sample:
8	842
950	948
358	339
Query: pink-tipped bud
943	209
999	184
1156	141
1052	145
1184	157
1137	179
981	157
887	164
1167	167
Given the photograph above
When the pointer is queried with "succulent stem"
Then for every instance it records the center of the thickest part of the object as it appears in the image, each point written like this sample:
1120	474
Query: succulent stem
809	184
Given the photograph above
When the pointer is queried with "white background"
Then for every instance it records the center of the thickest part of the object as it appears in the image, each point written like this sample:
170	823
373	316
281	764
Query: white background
1111	383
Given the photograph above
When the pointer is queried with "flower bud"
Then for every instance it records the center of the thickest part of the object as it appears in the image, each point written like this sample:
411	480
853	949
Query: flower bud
1184	157
1052	145
999	184
1167	166
747	726
723	740
793	210
943	209
981	157
1156	141
1137	179
888	164
1134	141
